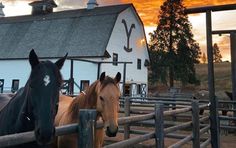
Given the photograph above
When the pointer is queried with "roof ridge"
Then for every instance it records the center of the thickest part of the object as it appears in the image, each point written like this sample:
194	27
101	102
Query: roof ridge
103	10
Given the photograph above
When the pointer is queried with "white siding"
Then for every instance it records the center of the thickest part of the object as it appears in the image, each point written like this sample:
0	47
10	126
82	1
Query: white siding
84	71
137	42
20	69
14	69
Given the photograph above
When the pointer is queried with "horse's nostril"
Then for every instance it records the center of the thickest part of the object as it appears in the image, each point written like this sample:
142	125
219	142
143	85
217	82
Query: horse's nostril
110	133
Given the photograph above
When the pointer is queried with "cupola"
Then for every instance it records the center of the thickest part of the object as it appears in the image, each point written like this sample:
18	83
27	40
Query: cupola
42	7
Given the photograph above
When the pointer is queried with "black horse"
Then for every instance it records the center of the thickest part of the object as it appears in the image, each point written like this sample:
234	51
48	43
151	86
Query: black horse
4	99
34	107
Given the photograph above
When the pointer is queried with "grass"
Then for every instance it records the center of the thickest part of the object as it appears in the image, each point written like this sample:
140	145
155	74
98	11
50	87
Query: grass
222	75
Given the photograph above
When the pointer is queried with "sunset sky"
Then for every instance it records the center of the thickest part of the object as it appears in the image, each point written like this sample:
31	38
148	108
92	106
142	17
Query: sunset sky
148	11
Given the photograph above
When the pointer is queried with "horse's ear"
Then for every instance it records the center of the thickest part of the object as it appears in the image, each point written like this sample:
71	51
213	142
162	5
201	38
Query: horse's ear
33	59
102	76
118	77
61	61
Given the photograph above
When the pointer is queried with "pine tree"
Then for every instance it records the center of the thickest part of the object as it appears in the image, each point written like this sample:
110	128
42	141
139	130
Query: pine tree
173	37
216	54
204	58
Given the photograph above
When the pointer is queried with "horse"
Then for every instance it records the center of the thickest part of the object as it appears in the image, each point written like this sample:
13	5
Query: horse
102	95
224	95
229	94
204	95
34	107
4	99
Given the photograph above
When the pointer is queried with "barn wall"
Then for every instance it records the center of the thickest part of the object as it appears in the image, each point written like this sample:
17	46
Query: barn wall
137	42
84	71
20	69
17	69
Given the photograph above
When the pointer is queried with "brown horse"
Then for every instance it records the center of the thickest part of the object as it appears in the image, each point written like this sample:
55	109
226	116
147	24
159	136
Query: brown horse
103	95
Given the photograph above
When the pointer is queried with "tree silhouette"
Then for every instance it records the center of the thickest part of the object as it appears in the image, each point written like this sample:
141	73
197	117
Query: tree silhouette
173	38
216	54
204	58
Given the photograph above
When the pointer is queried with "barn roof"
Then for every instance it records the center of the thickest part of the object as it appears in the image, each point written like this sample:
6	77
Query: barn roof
81	33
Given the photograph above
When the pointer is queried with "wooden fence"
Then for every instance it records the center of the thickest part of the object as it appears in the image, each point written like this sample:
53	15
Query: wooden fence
159	112
164	104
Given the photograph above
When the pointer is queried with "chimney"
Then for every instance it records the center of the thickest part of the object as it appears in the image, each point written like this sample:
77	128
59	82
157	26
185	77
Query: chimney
42	7
1	11
92	4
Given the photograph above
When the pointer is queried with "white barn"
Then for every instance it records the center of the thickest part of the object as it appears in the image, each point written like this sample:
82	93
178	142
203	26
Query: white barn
97	39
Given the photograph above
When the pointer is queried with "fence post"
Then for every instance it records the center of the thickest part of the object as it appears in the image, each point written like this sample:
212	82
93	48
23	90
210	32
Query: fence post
127	113
159	125
87	125
195	123
174	118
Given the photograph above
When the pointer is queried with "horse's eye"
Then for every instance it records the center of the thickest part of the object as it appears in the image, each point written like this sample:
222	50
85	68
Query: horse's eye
101	98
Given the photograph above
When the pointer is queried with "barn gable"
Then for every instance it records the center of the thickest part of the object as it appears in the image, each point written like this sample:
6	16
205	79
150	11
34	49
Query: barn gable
128	33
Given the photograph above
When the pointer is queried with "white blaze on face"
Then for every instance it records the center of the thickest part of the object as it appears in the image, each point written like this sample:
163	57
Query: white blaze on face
46	80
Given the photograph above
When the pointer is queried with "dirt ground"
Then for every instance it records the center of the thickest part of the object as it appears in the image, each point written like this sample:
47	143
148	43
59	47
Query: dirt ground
228	141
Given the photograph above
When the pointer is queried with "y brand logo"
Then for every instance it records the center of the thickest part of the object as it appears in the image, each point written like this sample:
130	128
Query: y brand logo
128	33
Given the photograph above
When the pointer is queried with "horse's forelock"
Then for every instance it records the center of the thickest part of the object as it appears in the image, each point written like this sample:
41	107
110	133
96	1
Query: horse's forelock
106	81
51	66
92	92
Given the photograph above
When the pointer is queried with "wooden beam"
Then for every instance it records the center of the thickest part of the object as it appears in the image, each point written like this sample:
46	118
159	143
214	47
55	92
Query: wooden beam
223	31
233	67
211	85
210	8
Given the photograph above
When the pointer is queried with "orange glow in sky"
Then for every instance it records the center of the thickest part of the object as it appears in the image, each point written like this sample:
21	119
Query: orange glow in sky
148	11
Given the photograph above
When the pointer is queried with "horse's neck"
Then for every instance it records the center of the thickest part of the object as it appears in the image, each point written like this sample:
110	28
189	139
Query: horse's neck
17	101
85	100
13	111
90	100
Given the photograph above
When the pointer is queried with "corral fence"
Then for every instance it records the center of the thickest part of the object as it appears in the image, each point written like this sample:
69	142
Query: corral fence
157	115
227	116
179	112
226	108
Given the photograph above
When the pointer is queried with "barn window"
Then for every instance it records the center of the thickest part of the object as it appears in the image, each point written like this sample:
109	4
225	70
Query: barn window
115	58
84	84
127	90
139	63
15	85
1	85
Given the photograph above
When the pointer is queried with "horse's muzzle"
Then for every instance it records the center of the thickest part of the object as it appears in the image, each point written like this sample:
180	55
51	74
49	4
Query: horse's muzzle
44	137
111	133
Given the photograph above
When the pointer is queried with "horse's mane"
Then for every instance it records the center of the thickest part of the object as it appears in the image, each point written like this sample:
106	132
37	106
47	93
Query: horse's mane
88	100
